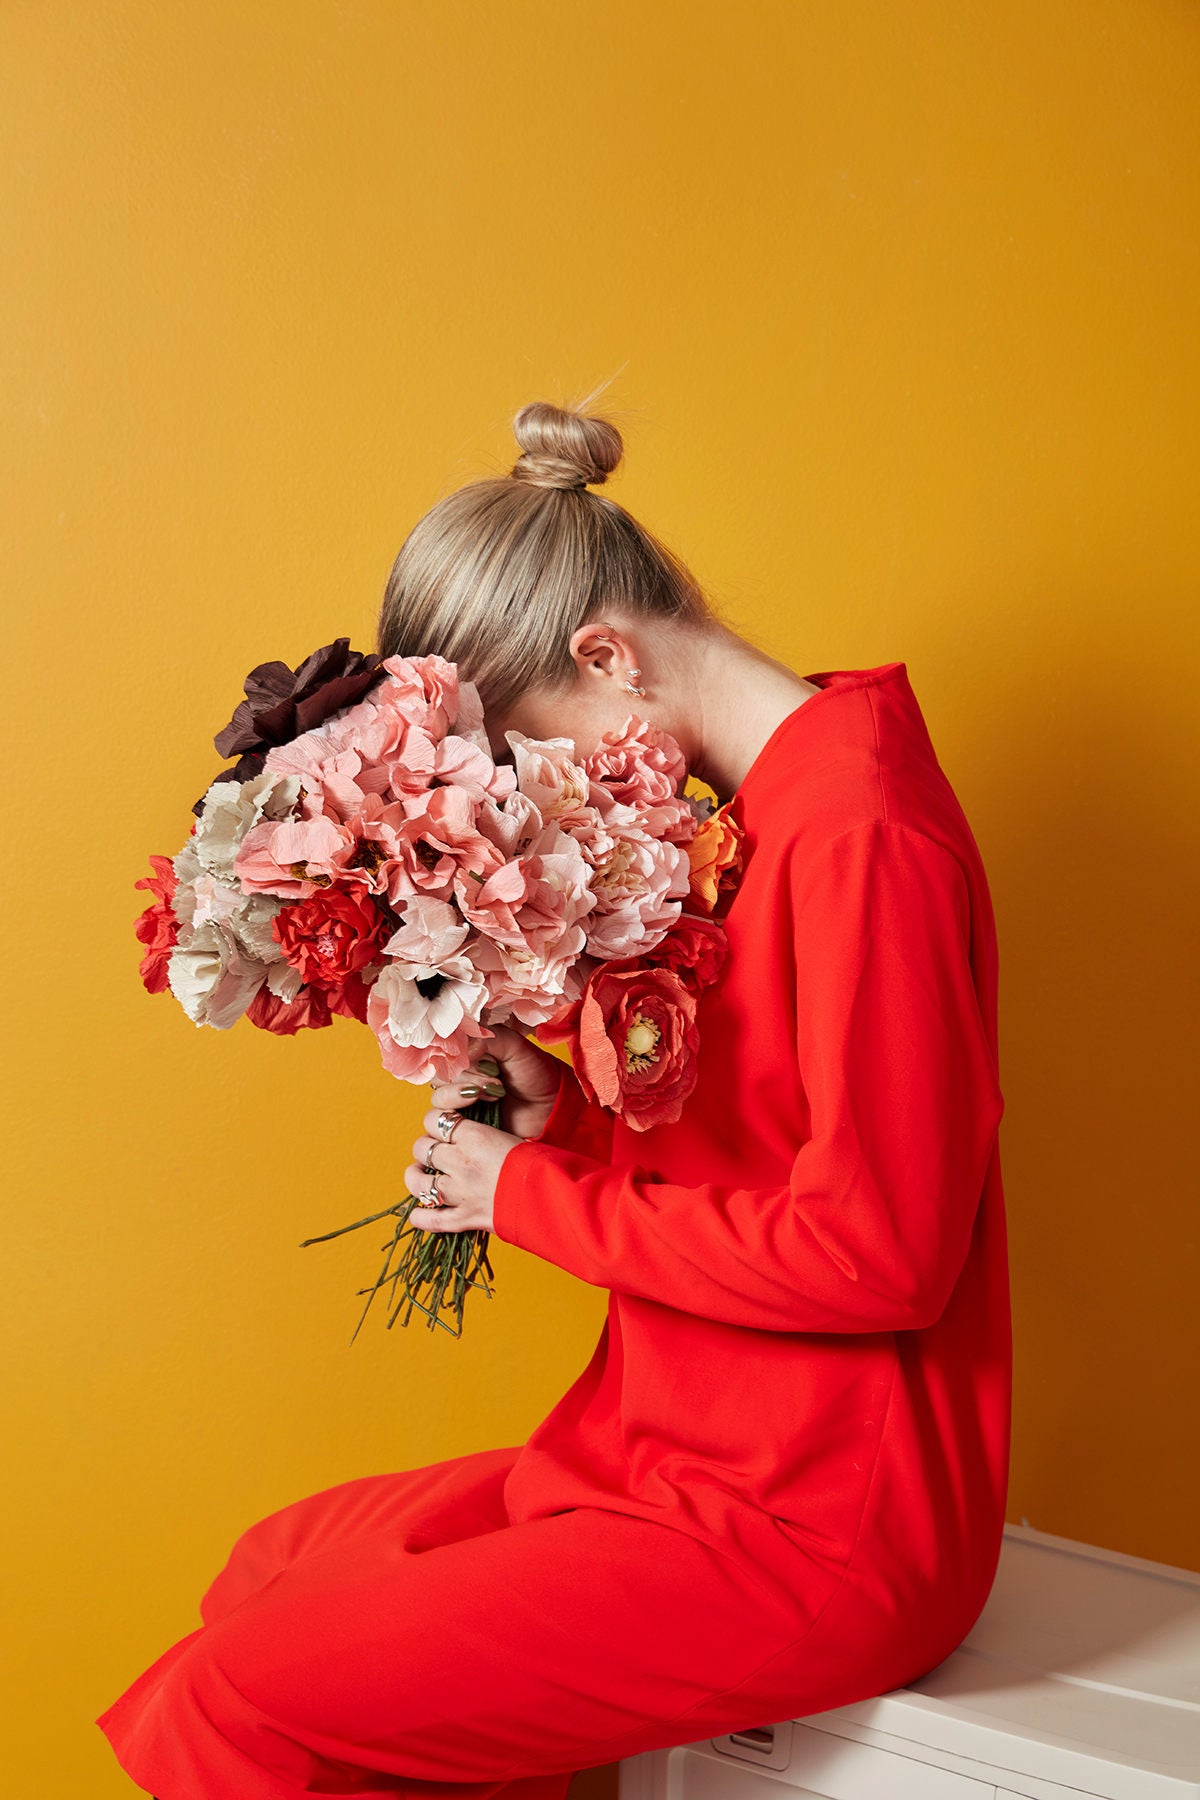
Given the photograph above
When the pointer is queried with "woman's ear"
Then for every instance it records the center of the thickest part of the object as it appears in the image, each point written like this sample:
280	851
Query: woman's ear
600	648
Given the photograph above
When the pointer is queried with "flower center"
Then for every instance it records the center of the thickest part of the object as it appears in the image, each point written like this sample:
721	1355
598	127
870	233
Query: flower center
368	855
300	871
641	1044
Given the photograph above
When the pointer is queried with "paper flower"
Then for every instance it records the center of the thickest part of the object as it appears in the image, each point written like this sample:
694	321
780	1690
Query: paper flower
281	703
368	857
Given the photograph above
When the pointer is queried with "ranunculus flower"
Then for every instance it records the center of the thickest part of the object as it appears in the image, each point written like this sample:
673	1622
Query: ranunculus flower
334	933
715	856
636	1043
281	703
157	927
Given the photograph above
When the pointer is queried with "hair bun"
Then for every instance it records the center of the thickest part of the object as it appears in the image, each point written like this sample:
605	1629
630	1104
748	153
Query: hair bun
561	448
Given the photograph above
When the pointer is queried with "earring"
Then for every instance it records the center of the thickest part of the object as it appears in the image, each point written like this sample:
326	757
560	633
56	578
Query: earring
630	683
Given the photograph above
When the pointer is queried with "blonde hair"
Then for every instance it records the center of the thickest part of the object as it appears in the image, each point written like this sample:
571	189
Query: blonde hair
497	575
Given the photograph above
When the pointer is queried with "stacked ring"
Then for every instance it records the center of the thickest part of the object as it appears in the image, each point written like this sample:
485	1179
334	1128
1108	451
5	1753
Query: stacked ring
430	1195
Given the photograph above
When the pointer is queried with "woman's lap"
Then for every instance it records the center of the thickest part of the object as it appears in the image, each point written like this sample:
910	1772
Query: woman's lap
395	1631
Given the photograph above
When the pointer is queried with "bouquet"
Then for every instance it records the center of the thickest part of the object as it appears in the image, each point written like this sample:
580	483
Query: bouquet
368	855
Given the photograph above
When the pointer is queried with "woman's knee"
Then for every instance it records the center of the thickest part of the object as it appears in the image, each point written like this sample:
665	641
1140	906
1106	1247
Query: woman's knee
281	1537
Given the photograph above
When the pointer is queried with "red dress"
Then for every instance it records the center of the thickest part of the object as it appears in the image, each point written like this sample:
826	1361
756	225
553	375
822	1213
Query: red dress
779	1484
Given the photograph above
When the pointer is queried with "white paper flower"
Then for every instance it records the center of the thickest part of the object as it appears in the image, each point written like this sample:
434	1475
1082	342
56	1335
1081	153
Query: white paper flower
231	808
212	977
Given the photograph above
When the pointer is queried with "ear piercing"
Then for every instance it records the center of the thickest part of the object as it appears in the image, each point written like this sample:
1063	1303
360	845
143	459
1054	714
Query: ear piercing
631	683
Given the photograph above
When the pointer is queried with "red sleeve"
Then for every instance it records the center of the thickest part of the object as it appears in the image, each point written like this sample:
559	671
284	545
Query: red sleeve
575	1122
872	1227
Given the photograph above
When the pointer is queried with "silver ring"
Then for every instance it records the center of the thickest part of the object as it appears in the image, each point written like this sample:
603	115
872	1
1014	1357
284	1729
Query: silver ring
446	1121
430	1195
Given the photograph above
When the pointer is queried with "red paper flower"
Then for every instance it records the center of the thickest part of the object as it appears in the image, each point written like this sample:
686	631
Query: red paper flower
332	934
157	927
637	1042
694	949
284	1017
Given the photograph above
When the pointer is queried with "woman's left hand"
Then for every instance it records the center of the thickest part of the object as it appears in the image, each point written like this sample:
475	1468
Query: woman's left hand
468	1168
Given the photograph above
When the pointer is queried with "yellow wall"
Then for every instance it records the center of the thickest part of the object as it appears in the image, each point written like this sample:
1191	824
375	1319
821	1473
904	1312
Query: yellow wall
902	305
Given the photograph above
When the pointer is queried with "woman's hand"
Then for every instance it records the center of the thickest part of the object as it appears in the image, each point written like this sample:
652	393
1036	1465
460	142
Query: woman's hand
468	1167
526	1079
507	1067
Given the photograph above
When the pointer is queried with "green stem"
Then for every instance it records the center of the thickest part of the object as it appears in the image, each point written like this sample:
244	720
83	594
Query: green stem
432	1261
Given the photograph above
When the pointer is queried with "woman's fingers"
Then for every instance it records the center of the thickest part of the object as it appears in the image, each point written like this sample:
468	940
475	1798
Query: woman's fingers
476	1083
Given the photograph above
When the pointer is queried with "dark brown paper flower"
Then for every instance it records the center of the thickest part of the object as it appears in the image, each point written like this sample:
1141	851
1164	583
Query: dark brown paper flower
283	703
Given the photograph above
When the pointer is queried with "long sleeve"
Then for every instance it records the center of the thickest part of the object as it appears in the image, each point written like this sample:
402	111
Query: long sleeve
872	1227
577	1123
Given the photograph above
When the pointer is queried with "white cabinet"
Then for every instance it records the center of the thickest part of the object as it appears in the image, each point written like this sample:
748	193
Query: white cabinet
1080	1680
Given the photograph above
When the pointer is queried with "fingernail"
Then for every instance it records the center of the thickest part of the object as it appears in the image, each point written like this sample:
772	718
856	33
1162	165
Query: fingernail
489	1065
469	1090
495	1088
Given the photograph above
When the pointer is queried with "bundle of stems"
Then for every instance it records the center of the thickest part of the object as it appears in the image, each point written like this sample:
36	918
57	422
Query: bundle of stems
432	1261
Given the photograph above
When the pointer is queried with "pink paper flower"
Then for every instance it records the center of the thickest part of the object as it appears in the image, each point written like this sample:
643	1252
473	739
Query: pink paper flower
639	765
292	857
439	849
640	884
548	774
426	1015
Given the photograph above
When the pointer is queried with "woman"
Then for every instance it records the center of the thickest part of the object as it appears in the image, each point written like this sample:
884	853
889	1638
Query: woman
778	1486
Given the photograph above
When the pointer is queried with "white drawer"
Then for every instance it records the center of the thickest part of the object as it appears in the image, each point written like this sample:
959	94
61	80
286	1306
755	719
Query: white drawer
814	1763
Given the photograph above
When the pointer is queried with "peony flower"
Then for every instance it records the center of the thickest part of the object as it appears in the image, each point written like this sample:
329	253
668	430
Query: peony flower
527	984
158	926
638	765
548	774
640	886
333	934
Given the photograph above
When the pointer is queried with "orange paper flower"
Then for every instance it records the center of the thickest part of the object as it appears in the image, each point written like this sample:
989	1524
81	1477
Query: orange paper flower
715	853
